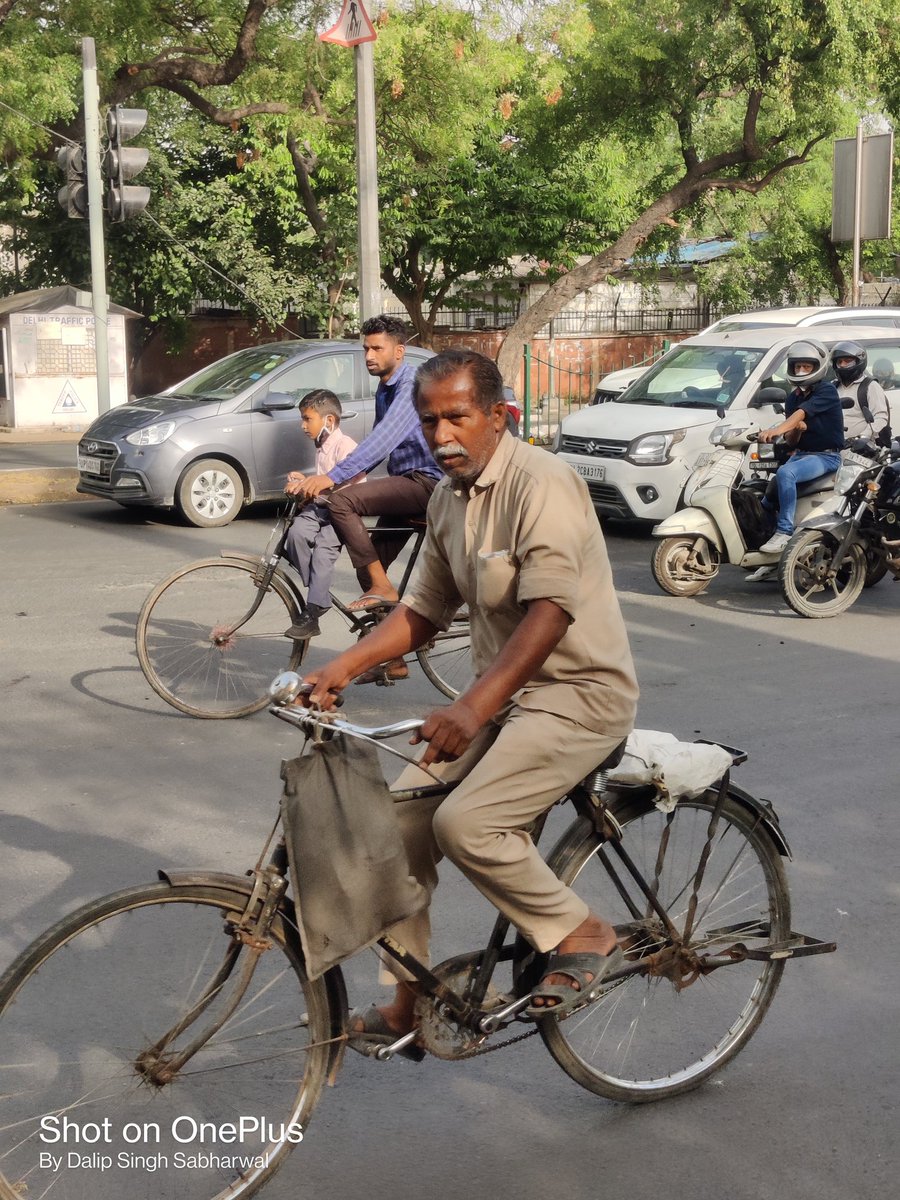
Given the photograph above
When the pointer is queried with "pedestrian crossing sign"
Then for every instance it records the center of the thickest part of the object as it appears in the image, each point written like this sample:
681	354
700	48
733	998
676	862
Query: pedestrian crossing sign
352	26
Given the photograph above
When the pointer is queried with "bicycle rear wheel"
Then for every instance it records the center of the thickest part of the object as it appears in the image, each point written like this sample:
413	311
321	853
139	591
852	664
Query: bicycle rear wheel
447	658
88	1018
663	1031
189	654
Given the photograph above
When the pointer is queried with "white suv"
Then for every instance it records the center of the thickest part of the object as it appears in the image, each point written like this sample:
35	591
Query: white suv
636	452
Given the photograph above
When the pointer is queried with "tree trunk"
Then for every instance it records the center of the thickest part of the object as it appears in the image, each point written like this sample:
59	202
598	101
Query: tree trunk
836	268
594	271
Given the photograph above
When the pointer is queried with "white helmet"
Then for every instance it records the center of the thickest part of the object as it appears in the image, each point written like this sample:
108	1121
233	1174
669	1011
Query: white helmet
808	351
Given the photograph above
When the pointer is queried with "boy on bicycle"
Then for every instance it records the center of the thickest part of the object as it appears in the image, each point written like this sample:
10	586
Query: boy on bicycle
312	542
511	533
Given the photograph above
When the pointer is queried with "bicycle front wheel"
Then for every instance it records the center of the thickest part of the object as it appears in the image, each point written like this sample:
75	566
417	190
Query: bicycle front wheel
93	1016
663	1031
191	651
447	658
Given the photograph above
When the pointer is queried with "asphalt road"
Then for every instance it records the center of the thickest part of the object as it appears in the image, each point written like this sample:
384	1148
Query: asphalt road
26	456
101	784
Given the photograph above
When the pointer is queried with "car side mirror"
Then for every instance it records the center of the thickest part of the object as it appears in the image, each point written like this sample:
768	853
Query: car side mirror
766	396
276	402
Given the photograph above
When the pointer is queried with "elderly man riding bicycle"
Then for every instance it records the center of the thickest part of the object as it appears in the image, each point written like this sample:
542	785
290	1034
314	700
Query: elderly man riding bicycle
513	535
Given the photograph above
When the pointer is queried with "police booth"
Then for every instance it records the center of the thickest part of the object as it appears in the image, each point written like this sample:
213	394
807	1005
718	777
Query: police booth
48	372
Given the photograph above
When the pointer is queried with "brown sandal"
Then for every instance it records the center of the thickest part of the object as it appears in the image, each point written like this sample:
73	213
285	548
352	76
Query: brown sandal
385	674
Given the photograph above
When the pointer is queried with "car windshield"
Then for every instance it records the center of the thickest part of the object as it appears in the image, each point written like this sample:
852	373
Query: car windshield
694	377
231	376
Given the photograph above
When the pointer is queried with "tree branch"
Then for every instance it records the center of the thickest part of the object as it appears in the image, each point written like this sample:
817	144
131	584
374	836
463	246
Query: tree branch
222	116
163	72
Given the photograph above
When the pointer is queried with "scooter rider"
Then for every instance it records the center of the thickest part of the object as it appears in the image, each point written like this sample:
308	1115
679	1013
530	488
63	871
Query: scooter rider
814	424
849	360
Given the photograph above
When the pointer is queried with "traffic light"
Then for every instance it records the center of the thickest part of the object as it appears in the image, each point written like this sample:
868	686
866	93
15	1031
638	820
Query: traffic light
123	162
73	196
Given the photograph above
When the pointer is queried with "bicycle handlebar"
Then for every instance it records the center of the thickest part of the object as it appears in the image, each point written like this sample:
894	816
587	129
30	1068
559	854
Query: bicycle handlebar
287	686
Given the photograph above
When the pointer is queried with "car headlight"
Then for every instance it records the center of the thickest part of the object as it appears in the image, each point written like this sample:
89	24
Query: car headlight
151	435
654	447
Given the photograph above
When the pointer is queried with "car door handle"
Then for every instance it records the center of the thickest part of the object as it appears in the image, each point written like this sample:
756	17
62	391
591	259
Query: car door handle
348	416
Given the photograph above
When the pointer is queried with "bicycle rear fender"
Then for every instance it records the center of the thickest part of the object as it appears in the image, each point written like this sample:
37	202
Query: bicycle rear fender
761	809
765	812
334	978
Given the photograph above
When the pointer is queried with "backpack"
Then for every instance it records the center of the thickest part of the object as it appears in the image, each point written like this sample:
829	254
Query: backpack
862	394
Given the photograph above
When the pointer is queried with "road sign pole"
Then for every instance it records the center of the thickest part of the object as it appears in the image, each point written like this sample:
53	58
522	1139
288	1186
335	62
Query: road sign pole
857	216
367	183
95	219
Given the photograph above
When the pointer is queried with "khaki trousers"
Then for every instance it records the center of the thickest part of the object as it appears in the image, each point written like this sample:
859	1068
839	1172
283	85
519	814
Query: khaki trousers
510	775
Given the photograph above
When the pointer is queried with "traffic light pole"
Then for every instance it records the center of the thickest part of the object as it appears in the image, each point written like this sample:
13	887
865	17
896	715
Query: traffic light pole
367	184
95	219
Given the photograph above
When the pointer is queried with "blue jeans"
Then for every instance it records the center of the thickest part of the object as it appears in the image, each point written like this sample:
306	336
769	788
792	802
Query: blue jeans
802	466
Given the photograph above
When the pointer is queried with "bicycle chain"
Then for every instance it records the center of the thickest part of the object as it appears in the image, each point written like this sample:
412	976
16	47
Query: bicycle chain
489	1049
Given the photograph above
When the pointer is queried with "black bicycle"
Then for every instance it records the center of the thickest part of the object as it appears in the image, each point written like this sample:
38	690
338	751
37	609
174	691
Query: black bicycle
174	1027
211	636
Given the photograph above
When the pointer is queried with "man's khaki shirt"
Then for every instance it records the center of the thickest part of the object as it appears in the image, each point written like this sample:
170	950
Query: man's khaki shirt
526	530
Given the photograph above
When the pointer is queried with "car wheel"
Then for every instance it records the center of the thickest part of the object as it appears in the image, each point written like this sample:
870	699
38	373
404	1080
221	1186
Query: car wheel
211	493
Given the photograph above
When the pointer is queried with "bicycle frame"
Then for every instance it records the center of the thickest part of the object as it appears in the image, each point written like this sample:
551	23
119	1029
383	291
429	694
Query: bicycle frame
594	801
275	563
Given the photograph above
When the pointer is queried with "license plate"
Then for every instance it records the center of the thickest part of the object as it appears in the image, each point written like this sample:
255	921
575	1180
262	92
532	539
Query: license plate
589	471
90	466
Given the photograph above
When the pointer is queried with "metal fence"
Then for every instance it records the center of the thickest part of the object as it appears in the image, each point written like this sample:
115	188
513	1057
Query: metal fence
552	391
578	324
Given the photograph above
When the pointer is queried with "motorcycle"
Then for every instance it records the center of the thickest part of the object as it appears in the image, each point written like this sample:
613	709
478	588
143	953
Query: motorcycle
723	520
833	555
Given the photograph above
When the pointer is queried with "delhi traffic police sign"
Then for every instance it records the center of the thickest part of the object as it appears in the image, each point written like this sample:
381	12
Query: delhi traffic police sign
352	27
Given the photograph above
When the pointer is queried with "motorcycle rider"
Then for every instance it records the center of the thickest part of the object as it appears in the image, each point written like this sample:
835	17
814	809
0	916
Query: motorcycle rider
849	360
814	424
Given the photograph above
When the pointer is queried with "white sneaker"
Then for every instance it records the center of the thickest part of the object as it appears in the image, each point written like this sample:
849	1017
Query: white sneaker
775	544
763	573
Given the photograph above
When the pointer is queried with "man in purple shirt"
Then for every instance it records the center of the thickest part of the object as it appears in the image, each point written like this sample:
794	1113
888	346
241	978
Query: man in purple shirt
412	471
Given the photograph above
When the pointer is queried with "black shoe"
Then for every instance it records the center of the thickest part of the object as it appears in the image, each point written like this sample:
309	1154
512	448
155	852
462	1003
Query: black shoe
306	627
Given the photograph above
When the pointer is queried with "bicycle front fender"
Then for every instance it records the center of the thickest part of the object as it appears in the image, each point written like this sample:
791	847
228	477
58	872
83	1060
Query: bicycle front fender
254	560
333	978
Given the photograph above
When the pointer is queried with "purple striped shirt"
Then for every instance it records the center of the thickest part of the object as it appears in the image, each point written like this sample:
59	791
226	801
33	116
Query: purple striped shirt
396	435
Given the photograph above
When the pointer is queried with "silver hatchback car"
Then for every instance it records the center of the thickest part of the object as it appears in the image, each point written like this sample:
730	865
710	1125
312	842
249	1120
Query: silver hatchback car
227	435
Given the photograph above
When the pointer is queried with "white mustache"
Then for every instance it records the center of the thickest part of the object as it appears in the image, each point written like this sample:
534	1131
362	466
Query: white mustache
454	450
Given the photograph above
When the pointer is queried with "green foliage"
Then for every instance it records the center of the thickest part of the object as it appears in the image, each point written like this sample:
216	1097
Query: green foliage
550	130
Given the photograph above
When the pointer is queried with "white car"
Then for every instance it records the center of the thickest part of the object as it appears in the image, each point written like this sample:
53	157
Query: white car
635	452
613	384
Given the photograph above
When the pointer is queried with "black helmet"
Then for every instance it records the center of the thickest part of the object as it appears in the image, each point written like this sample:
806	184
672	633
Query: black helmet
731	368
849	350
883	371
809	350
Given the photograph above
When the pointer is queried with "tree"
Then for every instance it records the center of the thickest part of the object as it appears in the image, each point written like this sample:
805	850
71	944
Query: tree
726	98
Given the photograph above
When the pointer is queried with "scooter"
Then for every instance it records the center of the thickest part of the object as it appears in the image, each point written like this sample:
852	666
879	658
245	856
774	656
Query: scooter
723	519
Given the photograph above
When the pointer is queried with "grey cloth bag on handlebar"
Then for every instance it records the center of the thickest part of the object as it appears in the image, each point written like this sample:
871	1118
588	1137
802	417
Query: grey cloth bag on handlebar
349	869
